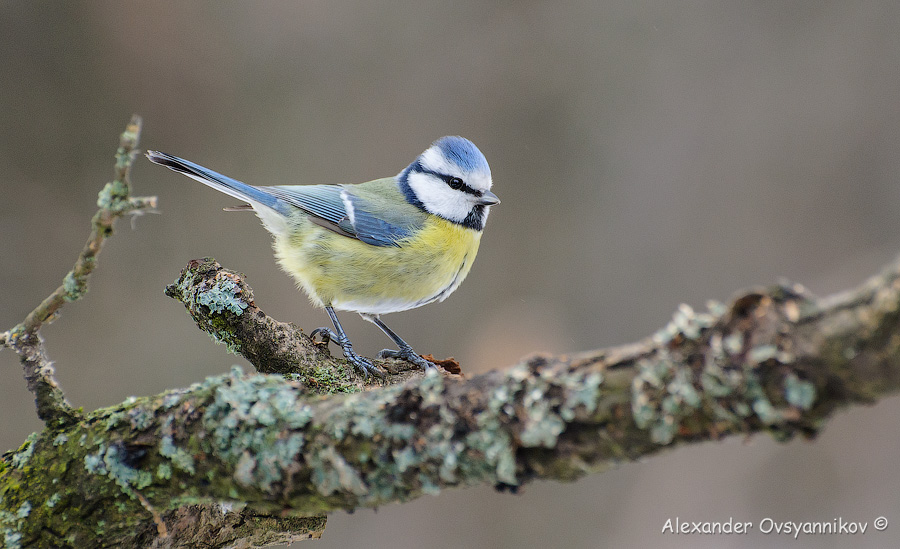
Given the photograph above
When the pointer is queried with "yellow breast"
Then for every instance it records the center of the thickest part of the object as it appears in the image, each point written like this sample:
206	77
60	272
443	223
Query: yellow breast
348	274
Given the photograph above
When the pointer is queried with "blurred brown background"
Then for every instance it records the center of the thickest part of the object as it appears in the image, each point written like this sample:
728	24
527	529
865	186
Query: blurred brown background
647	154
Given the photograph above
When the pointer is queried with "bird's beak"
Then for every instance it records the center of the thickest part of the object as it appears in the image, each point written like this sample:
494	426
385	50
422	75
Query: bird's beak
488	199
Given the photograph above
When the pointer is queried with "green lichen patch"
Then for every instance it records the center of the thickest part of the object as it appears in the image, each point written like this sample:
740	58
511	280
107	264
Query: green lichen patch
799	393
180	458
332	473
240	409
75	286
493	440
662	395
12	539
111	461
24	510
420	439
204	286
52	500
224	296
114	196
426	442
22	456
164	471
545	401
686	323
141	418
723	382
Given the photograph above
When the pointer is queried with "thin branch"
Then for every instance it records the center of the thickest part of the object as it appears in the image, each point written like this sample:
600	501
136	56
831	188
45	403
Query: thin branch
114	201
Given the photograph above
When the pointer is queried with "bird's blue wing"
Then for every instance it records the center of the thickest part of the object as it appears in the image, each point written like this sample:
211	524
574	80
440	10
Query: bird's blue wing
328	205
371	226
321	201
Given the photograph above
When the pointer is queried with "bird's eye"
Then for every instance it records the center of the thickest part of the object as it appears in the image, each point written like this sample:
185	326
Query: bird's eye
455	182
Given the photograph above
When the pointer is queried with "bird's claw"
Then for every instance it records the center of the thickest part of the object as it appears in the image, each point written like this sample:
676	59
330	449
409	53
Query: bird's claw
363	365
326	333
407	354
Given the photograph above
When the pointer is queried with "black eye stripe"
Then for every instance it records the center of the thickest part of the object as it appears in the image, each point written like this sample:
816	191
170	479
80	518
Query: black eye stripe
447	178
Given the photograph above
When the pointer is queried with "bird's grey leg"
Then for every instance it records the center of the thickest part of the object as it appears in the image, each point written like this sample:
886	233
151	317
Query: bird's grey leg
404	350
362	364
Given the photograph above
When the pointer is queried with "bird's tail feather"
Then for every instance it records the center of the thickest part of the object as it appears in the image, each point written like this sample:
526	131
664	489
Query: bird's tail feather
220	182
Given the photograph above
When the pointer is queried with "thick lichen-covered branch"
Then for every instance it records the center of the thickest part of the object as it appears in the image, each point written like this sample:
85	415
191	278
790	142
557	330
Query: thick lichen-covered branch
774	360
114	201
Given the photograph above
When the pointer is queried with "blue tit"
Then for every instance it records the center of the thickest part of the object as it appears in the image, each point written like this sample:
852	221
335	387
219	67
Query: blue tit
379	247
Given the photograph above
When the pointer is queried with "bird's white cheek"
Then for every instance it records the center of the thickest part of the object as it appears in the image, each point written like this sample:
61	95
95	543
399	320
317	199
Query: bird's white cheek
438	198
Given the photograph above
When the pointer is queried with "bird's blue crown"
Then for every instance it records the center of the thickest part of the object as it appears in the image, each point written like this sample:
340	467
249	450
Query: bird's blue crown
463	153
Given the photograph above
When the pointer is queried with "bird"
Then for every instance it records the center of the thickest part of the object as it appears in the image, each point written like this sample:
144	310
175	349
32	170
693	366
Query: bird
379	247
